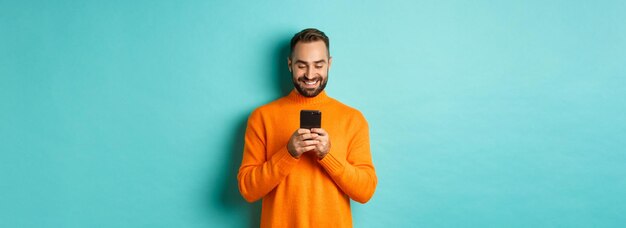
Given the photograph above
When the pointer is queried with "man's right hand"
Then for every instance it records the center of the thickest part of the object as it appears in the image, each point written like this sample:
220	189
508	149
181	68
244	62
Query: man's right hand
300	142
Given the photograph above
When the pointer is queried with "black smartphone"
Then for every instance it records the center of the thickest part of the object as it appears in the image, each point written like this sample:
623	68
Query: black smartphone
310	119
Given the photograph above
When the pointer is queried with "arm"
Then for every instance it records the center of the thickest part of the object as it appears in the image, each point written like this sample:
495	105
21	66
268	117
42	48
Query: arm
355	175
258	175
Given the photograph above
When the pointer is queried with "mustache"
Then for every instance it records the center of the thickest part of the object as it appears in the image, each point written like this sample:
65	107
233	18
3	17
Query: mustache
303	78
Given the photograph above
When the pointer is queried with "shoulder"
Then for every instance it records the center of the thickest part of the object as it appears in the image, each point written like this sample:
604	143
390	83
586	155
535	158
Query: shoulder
347	110
268	108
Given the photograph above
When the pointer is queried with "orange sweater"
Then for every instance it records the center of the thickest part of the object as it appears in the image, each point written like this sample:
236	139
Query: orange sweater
306	192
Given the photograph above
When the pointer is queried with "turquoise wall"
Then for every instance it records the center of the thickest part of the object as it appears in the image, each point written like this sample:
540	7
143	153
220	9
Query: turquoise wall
482	113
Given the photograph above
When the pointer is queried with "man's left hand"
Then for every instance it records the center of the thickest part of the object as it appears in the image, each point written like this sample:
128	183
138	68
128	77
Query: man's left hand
323	146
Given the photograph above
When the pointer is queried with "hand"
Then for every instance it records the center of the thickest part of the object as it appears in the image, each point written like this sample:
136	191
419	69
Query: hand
323	142
302	141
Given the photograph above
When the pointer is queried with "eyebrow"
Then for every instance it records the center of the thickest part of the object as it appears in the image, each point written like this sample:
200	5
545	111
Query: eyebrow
316	62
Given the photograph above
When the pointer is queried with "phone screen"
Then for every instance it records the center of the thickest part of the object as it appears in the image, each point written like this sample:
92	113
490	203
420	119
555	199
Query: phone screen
310	119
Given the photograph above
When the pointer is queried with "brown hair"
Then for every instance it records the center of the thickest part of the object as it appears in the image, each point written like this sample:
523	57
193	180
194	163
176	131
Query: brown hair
309	35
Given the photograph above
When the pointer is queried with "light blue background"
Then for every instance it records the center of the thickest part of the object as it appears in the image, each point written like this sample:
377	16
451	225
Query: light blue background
482	113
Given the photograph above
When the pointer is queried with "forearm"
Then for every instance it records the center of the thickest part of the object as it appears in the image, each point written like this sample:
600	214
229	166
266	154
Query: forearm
257	179
357	181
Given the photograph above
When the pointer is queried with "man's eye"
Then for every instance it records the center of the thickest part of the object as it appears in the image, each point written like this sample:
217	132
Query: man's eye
319	66
301	66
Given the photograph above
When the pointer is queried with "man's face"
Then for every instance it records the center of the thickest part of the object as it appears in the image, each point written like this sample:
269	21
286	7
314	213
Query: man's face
309	65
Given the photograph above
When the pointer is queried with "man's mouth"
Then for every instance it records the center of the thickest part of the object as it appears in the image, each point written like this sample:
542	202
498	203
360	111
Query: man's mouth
310	83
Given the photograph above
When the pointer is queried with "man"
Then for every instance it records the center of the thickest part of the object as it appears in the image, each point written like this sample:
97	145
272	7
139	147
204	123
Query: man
307	177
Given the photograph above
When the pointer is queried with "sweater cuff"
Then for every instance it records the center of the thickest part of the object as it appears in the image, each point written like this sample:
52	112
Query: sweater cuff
283	160
332	165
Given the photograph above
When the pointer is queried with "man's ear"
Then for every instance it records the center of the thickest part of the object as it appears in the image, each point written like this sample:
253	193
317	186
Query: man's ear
289	63
330	61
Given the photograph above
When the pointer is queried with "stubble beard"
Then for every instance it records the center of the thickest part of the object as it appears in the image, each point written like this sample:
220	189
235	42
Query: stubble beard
310	93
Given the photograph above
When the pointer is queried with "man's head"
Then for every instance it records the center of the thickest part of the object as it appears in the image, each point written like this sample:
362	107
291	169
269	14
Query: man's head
309	61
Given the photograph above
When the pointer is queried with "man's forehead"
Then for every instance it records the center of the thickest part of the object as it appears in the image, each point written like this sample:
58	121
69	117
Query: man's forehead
310	51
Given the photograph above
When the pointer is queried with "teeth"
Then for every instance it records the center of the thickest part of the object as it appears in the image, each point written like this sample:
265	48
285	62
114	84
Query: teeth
311	83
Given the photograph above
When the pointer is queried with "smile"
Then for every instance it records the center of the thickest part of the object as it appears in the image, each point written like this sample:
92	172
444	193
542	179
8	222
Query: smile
310	84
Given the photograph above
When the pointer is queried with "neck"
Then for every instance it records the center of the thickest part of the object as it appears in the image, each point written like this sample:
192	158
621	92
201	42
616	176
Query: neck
300	99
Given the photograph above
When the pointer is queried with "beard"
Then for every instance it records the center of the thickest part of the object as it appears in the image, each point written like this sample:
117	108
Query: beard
298	84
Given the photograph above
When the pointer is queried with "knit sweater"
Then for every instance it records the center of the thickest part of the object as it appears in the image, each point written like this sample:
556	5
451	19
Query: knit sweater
306	191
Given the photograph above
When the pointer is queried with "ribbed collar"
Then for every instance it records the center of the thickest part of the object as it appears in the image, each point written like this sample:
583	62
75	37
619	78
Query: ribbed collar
298	98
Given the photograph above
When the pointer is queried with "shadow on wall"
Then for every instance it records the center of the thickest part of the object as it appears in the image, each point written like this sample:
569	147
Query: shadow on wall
282	74
230	198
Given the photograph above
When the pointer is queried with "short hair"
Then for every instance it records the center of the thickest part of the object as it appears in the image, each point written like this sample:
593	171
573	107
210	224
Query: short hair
309	35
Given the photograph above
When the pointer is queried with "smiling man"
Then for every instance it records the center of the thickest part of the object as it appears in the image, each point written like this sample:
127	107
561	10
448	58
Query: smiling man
306	177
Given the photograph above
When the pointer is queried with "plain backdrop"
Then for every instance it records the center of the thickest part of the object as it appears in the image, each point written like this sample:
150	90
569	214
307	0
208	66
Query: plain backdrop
482	113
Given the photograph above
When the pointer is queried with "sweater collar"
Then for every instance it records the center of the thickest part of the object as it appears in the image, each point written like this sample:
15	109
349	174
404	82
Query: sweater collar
295	96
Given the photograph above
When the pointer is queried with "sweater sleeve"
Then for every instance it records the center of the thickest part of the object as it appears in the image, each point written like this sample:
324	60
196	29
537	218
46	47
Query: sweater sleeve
258	174
355	174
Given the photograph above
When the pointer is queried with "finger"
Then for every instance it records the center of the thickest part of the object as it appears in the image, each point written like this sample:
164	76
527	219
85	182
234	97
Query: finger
306	149
303	131
320	140
308	136
323	145
319	131
309	142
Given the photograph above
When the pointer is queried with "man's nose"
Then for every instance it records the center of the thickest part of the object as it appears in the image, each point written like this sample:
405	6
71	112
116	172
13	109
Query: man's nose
309	73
